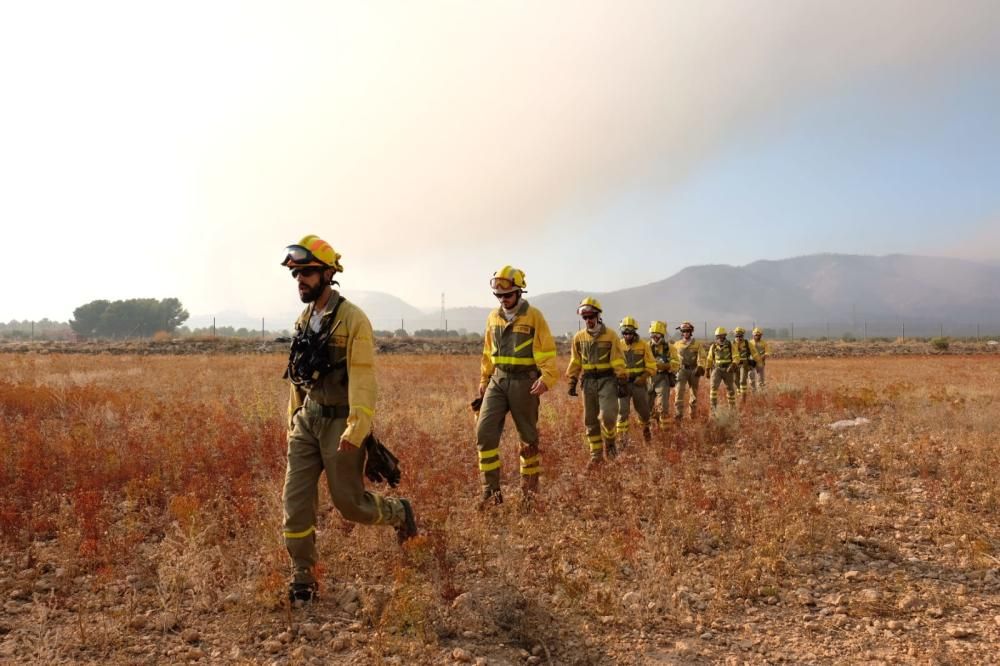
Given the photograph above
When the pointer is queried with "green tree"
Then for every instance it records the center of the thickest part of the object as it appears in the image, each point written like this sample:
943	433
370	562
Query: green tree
87	317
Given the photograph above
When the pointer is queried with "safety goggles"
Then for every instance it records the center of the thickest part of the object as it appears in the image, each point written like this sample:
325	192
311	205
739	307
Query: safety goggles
499	284
296	254
505	294
590	316
306	271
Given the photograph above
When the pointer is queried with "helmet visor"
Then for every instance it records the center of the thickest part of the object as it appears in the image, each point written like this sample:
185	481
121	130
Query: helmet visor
298	255
501	285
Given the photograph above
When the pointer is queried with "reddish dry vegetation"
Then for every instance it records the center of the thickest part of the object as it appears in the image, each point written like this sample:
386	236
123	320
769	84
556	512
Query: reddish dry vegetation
140	519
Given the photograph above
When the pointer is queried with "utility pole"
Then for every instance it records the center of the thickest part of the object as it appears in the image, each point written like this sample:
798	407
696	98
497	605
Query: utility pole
444	325
261	328
213	327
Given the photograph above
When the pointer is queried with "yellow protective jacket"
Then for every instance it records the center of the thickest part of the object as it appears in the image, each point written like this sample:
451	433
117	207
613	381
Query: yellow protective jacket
639	362
760	348
352	341
523	344
691	354
596	355
667	358
745	351
721	354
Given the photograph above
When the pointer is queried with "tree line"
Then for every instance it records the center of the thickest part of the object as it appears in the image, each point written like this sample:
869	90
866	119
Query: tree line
135	317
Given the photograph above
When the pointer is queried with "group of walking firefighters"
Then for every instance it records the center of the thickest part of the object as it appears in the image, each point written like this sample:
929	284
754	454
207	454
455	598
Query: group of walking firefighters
333	394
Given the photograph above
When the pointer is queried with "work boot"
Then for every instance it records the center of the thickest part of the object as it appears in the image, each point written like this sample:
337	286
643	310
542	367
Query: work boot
646	434
491	497
407	529
302	593
611	449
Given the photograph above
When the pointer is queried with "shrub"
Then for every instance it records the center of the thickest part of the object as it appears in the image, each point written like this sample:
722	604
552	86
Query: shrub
940	344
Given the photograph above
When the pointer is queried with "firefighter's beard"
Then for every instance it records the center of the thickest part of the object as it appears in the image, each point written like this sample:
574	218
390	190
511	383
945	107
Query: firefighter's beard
311	294
593	324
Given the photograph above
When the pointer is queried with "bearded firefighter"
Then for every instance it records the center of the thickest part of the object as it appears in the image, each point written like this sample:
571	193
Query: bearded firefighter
692	367
330	411
640	367
596	359
667	365
746	361
720	362
518	366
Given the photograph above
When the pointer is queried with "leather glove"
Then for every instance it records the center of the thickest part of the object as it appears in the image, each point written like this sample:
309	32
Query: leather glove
572	386
623	388
476	404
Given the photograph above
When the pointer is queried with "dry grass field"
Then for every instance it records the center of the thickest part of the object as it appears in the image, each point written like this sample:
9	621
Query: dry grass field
140	519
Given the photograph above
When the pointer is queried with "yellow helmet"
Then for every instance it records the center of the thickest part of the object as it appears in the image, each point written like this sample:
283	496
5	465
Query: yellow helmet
720	331
757	331
739	330
658	327
508	279
589	304
629	322
312	251
686	326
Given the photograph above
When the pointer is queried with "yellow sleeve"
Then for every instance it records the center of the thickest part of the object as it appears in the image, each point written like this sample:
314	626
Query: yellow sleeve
710	358
543	348
618	358
763	349
650	362
486	364
754	354
675	358
575	364
361	388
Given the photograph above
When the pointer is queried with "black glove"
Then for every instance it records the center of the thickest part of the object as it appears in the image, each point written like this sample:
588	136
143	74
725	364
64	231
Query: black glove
476	404
753	363
700	372
623	388
572	386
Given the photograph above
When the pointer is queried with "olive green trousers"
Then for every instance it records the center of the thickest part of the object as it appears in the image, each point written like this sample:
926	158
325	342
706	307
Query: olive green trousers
312	448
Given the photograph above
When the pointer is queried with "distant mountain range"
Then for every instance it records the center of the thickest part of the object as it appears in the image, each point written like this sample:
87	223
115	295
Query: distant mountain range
815	294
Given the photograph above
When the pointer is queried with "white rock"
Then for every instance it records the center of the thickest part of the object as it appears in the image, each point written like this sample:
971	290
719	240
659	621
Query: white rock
908	602
458	654
935	612
848	423
631	598
824	497
272	647
868	595
959	632
853	574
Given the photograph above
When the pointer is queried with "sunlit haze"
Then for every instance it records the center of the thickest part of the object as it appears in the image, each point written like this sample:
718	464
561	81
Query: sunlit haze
174	149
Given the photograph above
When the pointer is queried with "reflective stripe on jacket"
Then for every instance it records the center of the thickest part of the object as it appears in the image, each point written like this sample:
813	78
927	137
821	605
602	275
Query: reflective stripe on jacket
593	354
639	361
761	349
353	341
525	343
746	351
721	354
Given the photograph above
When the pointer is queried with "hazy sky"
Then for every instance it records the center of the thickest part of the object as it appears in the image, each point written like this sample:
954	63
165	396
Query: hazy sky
173	149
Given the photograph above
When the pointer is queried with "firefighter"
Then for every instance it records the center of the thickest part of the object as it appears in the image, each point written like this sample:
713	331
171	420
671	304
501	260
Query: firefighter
721	363
597	355
640	367
330	413
745	361
518	366
667	365
759	346
692	367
